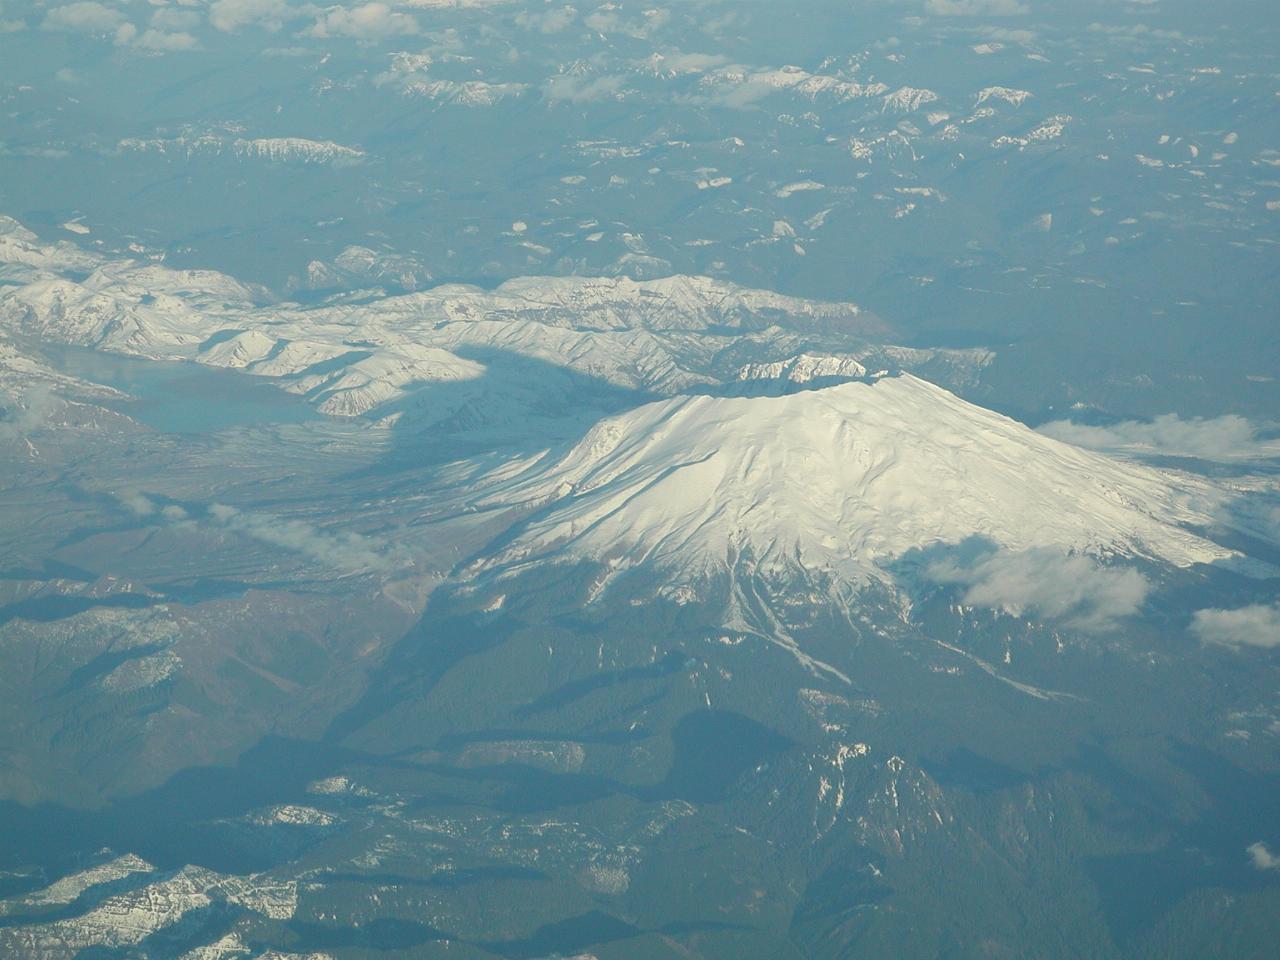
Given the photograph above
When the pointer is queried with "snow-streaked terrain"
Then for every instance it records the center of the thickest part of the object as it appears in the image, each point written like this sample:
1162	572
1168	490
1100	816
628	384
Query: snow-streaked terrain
124	919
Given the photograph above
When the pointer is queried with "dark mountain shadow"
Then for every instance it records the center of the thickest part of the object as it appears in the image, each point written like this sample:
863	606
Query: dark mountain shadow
713	750
518	406
456	741
566	937
46	609
170	825
1139	888
450	631
50	569
441	879
962	767
415	665
1248	525
382	934
834	898
913	566
575	690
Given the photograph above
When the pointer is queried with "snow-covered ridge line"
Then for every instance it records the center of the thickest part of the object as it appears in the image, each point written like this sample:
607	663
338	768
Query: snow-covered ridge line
275	149
349	358
803	369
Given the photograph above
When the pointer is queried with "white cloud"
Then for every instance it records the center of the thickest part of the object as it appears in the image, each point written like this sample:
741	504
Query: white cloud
1138	31
1253	626
164	41
1046	583
29	413
84	17
606	20
1262	858
549	21
577	89
371	21
231	15
138	504
975	8
1021	37
340	550
684	63
1221	438
170	18
95	18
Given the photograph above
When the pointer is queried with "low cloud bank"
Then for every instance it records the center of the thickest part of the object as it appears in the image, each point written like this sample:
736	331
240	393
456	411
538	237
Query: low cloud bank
1262	858
370	21
975	8
1046	583
1253	626
28	414
343	551
1222	439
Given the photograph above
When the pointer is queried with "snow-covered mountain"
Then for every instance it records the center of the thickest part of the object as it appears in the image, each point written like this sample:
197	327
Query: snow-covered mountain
841	480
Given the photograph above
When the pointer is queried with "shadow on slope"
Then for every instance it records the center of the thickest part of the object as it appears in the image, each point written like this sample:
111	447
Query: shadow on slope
518	406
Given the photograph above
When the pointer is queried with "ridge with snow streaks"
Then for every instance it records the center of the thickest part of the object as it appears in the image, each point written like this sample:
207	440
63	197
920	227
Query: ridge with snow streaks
354	356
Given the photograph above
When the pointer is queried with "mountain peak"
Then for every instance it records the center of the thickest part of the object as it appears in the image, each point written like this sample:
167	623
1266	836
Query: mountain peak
843	479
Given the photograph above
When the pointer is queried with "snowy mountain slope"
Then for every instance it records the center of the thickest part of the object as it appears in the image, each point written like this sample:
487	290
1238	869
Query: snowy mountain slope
804	369
844	480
